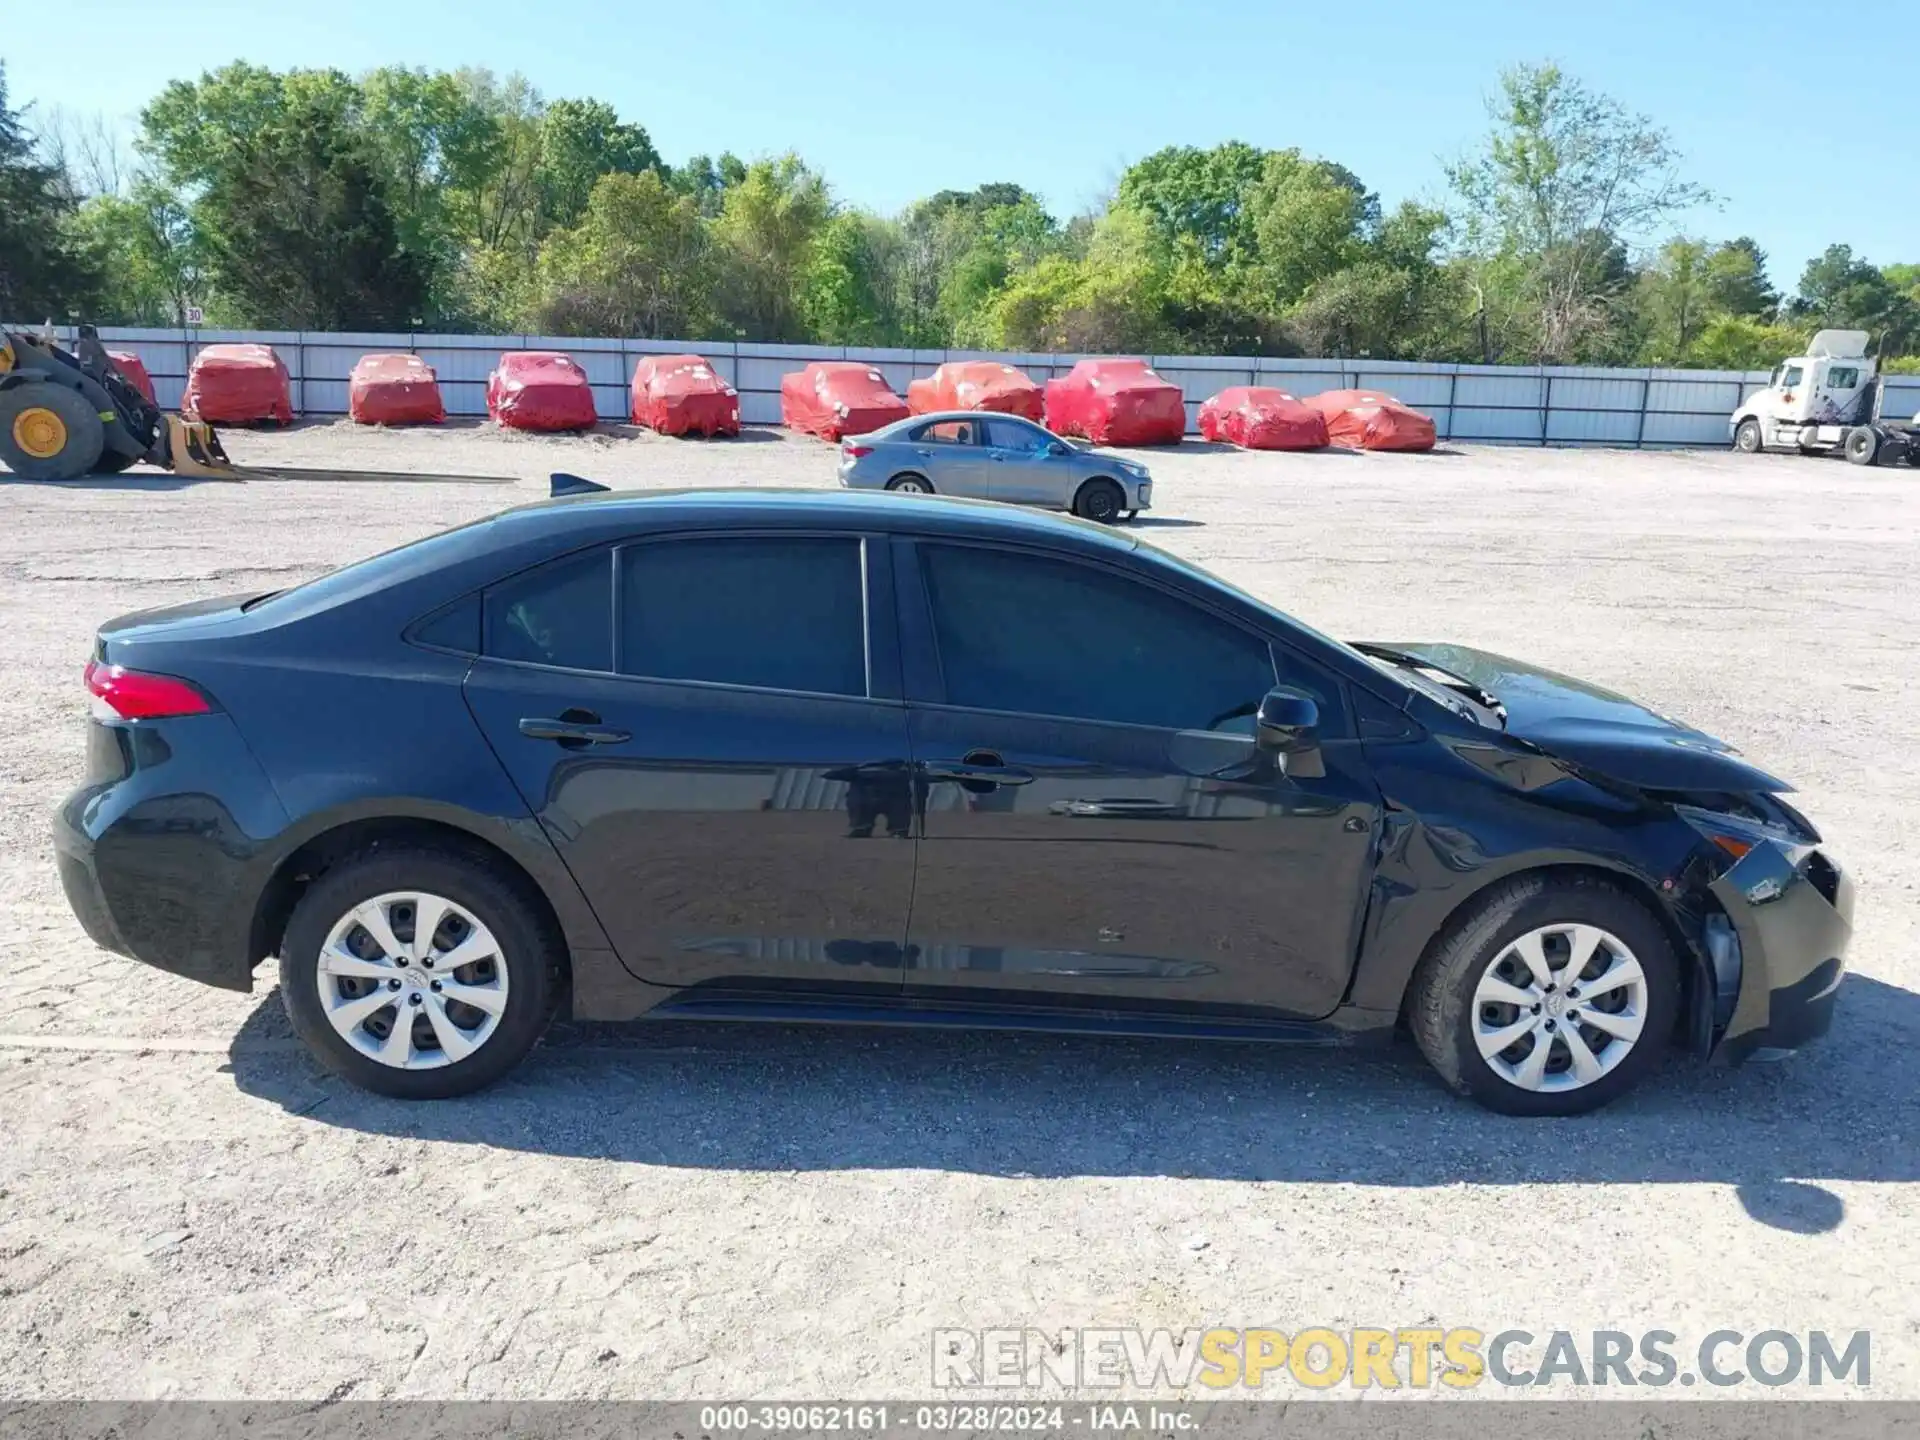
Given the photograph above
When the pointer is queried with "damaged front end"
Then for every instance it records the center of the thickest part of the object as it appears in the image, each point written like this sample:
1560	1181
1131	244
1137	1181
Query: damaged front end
1776	943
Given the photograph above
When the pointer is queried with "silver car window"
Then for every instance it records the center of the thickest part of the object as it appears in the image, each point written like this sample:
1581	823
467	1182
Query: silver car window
948	432
1012	435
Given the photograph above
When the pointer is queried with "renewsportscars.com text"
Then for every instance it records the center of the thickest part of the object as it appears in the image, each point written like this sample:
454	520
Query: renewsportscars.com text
1367	1358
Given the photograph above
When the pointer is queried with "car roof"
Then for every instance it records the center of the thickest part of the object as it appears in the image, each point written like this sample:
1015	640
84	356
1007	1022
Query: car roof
591	514
915	421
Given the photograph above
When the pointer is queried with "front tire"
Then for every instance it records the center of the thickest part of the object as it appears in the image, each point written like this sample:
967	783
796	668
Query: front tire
1552	996
48	432
1100	501
1746	437
412	1015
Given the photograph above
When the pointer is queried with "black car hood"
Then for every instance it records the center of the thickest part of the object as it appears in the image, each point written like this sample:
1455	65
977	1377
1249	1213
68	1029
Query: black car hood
1595	728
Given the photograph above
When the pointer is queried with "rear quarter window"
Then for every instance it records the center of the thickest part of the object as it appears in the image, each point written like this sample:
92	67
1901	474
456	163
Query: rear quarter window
558	614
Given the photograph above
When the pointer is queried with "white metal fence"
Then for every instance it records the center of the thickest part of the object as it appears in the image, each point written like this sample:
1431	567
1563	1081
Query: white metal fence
1502	404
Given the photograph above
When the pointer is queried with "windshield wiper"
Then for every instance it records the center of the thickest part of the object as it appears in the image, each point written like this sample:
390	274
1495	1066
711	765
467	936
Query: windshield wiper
1438	675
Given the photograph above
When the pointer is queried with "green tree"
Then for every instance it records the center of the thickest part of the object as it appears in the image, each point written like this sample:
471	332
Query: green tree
1199	198
1736	279
581	140
43	274
1738	342
1565	176
847	290
1311	219
1392	300
428	130
147	253
1845	292
707	180
637	264
766	231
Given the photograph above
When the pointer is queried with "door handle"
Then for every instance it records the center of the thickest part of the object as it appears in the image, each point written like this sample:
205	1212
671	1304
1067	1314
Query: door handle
573	733
978	767
924	454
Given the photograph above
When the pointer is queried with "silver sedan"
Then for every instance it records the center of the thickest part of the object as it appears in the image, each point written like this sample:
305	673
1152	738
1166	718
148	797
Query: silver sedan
983	455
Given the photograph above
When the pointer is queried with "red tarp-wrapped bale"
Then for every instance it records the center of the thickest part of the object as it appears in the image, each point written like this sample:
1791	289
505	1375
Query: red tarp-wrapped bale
394	390
1259	417
1116	402
134	369
977	385
540	390
834	398
684	395
237	385
1368	420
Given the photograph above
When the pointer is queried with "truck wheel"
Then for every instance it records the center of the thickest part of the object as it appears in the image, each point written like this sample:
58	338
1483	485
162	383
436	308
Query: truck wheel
1746	437
1863	445
48	432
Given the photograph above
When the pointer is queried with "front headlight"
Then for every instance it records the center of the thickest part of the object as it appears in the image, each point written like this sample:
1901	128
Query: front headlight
1736	835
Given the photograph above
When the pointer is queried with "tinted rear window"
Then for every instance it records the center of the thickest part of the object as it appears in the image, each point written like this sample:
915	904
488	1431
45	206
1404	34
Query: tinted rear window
775	612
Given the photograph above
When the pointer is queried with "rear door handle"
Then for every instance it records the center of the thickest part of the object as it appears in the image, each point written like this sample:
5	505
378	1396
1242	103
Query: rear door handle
573	733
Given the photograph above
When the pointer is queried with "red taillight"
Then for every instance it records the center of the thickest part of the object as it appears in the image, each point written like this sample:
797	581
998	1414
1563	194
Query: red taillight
123	694
856	452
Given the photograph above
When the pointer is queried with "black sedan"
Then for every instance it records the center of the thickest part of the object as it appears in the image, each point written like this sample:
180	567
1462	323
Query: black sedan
923	761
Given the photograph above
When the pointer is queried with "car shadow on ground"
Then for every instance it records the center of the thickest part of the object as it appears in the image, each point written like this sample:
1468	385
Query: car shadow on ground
764	1097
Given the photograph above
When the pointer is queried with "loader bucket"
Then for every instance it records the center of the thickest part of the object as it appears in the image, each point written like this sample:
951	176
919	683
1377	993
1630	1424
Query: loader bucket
194	450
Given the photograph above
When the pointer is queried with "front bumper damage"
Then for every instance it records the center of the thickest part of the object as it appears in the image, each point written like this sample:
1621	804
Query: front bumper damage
1791	912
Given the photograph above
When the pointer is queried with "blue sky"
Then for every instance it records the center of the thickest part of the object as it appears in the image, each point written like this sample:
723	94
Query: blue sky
895	101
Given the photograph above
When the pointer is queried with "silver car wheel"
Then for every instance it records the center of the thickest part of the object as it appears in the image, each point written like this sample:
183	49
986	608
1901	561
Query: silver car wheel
910	485
1559	1007
412	980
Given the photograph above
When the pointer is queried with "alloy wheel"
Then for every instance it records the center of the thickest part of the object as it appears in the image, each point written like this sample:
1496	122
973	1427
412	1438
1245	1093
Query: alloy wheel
412	980
1559	1007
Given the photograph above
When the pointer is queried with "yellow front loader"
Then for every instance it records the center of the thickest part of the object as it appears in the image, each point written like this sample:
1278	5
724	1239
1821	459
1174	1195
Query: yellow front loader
67	414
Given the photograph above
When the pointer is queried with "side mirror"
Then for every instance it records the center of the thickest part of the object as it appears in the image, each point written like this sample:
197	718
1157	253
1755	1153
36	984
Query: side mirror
1054	447
1285	721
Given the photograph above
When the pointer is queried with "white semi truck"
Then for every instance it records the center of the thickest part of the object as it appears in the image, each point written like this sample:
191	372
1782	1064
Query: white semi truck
1827	399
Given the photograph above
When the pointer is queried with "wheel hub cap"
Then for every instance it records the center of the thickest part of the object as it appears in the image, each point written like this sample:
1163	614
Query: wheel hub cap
412	980
1559	1007
40	432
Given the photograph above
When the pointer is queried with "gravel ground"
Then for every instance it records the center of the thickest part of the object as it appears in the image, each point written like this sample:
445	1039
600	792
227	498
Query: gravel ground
191	1209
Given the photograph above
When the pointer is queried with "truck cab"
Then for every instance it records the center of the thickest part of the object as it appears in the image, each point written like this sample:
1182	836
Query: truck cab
1812	400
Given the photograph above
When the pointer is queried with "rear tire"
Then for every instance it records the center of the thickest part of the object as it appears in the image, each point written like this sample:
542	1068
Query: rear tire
510	982
1863	446
1455	1009
910	485
48	432
1746	437
1100	501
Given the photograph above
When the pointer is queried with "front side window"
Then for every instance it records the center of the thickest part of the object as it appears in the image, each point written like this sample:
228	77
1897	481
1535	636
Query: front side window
1031	634
1012	435
1791	379
559	614
777	612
